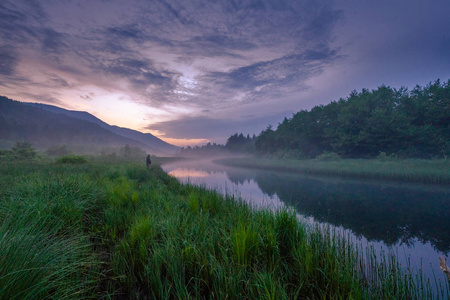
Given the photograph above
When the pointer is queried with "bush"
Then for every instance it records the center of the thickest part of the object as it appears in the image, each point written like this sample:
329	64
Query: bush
23	150
72	159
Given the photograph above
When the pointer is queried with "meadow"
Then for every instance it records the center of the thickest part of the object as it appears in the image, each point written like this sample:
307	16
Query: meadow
409	170
91	228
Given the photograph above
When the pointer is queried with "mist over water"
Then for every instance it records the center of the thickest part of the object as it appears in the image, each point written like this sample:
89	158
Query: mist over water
211	176
410	220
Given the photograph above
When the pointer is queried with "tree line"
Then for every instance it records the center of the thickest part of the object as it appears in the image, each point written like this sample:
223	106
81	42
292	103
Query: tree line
236	144
385	121
365	124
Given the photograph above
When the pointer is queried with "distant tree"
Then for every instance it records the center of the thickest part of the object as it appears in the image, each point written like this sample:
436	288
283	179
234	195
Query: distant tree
239	143
126	151
265	141
23	150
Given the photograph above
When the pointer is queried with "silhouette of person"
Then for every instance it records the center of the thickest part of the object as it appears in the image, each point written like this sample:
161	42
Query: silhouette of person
149	162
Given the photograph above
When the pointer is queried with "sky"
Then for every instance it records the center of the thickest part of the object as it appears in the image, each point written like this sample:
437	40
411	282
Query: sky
192	72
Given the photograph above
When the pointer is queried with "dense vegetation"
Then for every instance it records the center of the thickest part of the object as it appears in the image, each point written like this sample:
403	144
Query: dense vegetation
117	230
386	121
396	122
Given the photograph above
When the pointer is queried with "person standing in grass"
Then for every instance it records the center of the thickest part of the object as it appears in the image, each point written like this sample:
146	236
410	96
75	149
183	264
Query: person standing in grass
149	162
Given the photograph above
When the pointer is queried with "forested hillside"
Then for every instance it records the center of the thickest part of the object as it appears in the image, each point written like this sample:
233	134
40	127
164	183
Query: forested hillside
396	122
21	122
146	139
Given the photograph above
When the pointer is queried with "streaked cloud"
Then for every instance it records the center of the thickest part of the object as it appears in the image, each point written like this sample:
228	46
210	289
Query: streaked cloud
194	62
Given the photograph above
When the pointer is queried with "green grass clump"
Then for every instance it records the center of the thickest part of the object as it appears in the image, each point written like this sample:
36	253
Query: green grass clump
72	159
122	231
37	262
45	248
244	243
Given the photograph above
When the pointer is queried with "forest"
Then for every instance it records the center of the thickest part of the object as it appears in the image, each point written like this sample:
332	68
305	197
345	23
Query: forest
394	122
387	122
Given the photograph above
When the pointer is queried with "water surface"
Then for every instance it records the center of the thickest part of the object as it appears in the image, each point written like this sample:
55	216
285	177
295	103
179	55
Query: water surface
412	220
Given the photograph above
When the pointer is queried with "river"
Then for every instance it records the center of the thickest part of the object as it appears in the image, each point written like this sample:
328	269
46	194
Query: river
411	220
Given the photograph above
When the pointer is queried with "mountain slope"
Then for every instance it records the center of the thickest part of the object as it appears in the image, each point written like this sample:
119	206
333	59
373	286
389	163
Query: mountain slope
43	128
144	138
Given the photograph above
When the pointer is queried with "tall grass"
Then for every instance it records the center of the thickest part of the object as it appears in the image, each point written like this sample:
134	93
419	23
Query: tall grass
37	262
45	251
122	231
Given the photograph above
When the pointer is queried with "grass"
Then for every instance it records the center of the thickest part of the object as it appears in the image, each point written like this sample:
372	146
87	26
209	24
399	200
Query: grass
45	251
72	159
96	230
412	170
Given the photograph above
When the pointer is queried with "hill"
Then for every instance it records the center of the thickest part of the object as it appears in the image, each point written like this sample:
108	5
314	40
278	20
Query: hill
147	139
47	125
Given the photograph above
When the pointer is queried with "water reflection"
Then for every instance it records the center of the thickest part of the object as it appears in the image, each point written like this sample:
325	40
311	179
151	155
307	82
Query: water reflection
413	219
379	212
180	173
240	184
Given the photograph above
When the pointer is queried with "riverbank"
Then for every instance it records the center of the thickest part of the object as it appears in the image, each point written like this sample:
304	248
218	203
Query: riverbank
116	230
408	170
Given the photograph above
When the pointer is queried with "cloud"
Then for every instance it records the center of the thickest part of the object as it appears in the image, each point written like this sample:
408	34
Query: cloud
41	98
188	30
57	82
191	127
8	60
232	33
23	23
193	55
126	31
16	19
52	41
150	81
263	80
86	97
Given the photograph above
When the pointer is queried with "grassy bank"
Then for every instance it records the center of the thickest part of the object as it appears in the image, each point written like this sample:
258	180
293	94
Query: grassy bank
98	230
413	170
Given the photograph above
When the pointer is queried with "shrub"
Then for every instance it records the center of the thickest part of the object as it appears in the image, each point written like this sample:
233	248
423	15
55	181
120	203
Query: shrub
23	150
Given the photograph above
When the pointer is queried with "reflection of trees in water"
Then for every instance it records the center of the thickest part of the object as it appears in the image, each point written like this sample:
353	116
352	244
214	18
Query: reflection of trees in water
237	177
377	212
